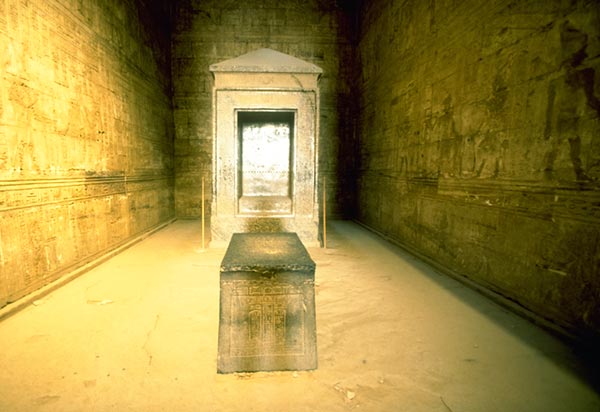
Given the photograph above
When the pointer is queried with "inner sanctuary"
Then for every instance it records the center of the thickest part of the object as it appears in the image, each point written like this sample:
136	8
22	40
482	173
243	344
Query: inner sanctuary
300	205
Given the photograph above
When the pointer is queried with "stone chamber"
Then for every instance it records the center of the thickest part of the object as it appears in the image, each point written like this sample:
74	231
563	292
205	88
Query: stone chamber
466	133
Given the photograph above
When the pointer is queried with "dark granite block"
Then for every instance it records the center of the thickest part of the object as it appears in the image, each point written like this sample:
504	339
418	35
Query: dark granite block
267	305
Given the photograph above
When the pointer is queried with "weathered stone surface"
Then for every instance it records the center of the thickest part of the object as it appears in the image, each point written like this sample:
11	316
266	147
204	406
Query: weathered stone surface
267	252
86	152
267	305
479	126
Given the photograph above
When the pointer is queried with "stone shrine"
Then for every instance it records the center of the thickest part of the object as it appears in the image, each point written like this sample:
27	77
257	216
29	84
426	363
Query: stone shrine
265	108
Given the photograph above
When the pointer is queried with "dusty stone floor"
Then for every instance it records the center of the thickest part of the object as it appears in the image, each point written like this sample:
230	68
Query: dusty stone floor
139	333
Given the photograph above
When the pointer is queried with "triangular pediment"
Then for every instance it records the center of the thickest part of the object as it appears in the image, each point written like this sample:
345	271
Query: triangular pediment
265	61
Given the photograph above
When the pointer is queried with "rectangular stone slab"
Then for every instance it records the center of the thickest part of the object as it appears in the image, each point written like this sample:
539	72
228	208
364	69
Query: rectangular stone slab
267	305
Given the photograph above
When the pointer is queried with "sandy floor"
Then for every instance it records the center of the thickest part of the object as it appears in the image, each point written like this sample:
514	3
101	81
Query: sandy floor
139	333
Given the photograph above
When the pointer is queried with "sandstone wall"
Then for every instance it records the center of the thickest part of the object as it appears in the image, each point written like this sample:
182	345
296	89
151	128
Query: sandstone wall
86	133
211	31
480	144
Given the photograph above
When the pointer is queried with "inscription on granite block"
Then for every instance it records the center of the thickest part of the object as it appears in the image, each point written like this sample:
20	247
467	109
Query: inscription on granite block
267	309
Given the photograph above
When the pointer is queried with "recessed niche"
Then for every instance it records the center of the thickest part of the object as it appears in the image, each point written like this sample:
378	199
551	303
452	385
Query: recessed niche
265	141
